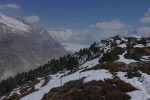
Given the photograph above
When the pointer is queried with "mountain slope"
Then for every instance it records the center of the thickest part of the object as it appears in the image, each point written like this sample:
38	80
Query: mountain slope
115	68
24	47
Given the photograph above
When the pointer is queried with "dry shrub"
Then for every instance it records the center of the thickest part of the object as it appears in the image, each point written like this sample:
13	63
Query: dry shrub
110	89
117	95
133	74
14	97
121	85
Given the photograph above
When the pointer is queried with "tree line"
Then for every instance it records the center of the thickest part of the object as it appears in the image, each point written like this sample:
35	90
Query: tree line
67	62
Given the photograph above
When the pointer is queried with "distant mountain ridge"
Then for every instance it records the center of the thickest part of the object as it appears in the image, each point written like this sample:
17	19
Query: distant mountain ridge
24	47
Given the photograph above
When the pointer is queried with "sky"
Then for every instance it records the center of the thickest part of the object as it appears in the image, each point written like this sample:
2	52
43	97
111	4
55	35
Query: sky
69	20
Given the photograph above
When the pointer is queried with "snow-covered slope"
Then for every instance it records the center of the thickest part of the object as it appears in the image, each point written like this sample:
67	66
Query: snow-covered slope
13	24
56	80
142	94
130	60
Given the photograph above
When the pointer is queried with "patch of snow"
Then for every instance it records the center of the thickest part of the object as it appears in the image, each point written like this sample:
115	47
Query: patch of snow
127	61
148	44
118	41
145	58
123	39
140	83
106	46
2	98
91	63
13	23
39	85
55	82
133	81
15	91
138	95
73	47
146	82
139	46
124	45
96	75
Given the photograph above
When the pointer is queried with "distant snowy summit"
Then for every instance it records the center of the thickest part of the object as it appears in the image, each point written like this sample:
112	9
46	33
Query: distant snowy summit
13	24
72	47
134	35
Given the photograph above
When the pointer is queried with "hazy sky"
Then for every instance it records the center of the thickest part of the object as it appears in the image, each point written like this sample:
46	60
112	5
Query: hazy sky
97	18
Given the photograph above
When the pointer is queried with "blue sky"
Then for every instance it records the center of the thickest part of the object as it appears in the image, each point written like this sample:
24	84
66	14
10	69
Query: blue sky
84	16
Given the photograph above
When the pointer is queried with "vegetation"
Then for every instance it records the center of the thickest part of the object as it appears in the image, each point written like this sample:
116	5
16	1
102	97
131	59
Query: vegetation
108	57
94	48
90	53
131	74
110	89
7	85
117	95
68	62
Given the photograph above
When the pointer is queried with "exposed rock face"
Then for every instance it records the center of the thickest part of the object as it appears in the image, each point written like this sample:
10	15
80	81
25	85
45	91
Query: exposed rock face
24	47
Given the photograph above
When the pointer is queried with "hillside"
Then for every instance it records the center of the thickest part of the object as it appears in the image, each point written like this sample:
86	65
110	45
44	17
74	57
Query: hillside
113	69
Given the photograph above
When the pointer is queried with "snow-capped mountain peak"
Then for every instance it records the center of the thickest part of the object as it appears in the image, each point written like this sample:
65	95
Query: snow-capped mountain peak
133	35
12	23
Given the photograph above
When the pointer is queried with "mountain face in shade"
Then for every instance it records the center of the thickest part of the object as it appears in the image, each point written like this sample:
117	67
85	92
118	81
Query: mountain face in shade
24	47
